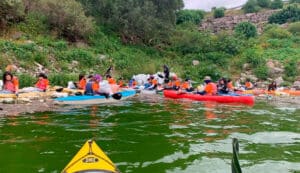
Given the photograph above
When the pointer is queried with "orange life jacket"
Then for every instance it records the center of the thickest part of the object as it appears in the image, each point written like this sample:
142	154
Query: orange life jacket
82	83
248	85
111	81
95	86
230	86
210	88
185	85
42	84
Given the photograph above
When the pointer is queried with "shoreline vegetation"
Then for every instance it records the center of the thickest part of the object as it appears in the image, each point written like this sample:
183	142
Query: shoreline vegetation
139	38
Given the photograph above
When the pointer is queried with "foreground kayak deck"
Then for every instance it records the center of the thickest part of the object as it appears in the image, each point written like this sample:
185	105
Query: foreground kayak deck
220	99
90	158
79	100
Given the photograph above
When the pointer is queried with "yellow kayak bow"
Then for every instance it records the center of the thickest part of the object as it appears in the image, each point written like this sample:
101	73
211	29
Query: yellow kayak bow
90	159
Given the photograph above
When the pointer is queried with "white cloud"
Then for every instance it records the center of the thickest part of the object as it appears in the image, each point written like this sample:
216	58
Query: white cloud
208	4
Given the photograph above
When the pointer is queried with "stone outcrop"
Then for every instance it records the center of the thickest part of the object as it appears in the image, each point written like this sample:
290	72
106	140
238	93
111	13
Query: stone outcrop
229	22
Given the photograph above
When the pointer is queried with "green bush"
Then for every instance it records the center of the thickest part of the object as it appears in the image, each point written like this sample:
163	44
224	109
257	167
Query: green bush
252	57
62	79
229	44
277	32
261	72
251	6
290	68
264	3
193	16
85	58
246	29
294	28
34	24
289	14
66	17
26	80
294	1
219	12
276	4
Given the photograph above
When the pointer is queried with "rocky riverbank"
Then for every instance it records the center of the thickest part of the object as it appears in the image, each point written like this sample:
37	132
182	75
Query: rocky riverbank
27	108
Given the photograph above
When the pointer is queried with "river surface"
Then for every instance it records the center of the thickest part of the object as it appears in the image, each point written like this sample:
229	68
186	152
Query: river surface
156	135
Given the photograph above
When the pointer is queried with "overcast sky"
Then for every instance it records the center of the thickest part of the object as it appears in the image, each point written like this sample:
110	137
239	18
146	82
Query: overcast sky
208	4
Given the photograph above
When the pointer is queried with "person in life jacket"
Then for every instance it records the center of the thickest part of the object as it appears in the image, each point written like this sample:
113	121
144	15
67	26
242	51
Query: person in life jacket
187	86
175	83
121	82
153	83
210	87
132	83
93	86
272	86
82	82
10	84
248	85
110	80
42	83
230	85
222	86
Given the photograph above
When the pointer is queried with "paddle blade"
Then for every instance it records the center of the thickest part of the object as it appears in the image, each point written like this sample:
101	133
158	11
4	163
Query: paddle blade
117	96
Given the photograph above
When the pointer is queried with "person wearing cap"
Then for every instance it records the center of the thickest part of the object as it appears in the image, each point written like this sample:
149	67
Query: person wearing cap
210	87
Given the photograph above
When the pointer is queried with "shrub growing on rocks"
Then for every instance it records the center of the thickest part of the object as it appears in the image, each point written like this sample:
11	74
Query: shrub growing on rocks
219	12
246	29
251	7
276	4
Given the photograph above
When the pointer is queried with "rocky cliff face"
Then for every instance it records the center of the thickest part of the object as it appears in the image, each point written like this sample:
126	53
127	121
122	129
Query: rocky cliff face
229	22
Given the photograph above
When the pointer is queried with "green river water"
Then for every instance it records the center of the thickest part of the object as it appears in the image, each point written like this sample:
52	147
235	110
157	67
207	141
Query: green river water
156	136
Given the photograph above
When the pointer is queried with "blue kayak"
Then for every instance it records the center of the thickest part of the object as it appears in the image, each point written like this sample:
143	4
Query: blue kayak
86	99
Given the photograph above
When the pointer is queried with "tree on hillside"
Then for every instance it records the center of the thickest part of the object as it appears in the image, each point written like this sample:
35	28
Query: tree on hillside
264	3
10	11
66	17
276	4
290	13
251	6
146	21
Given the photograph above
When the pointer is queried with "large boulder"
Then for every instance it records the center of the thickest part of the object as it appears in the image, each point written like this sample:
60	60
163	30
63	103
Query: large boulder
296	85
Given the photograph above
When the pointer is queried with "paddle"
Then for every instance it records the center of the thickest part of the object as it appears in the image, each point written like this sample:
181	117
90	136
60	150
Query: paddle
235	165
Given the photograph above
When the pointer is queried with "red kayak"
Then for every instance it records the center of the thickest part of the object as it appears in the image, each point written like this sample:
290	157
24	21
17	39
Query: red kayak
221	99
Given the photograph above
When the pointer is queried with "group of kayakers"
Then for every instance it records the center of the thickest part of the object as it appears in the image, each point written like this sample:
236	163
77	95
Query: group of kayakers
91	84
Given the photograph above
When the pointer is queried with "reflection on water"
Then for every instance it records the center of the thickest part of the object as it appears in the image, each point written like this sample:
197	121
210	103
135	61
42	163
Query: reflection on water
156	135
